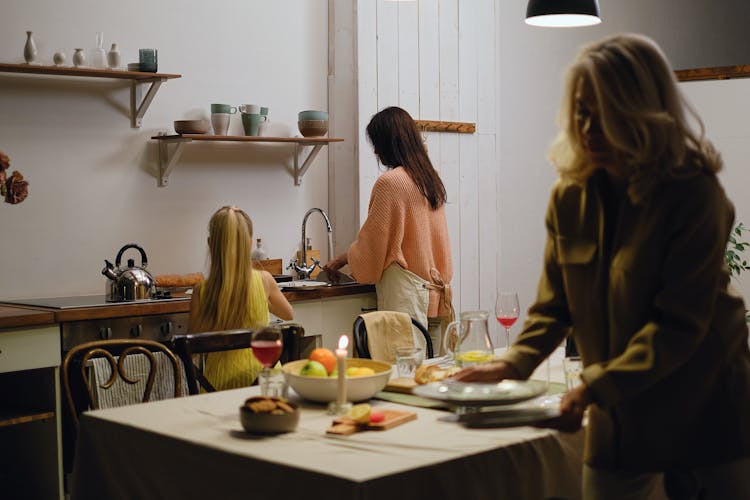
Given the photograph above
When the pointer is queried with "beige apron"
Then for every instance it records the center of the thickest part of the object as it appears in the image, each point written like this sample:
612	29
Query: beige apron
402	290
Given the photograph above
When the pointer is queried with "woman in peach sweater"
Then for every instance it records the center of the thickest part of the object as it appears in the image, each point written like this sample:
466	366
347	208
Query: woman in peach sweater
403	246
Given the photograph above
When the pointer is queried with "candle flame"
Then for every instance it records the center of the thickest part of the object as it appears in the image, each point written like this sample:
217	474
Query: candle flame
343	342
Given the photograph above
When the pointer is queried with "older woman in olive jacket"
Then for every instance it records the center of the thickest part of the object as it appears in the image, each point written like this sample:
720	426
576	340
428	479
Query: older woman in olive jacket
634	270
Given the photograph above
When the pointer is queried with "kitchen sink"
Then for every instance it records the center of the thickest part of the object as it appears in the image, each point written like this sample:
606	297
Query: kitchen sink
303	284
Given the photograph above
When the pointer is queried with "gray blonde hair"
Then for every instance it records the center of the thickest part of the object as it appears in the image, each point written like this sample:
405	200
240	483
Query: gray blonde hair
642	113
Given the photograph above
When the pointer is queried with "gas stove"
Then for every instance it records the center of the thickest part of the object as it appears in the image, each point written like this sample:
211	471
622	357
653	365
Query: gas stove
85	301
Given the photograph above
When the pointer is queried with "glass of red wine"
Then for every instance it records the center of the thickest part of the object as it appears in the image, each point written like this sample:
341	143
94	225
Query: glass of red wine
507	312
266	345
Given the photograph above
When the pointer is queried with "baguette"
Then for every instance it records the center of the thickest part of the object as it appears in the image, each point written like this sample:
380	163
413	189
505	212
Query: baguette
433	373
174	280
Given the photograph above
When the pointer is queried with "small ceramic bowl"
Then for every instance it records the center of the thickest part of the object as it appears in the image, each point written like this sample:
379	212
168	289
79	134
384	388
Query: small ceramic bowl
312	128
312	115
263	422
134	66
191	126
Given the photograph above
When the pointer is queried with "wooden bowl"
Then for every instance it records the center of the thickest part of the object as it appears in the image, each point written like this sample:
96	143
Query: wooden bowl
265	422
191	126
312	128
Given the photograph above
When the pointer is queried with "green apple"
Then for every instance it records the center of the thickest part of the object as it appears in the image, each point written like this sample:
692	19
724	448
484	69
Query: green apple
334	373
314	369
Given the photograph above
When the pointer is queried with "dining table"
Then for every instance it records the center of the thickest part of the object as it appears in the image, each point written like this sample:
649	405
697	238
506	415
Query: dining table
195	447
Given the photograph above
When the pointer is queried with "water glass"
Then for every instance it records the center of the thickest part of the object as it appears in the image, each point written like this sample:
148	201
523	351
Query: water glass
408	360
573	367
273	384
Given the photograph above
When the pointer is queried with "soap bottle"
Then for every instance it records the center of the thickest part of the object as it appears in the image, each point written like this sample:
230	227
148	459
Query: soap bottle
258	253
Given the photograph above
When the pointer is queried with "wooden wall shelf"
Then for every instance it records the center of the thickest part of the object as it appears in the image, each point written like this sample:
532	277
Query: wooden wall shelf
168	159
717	73
438	126
138	103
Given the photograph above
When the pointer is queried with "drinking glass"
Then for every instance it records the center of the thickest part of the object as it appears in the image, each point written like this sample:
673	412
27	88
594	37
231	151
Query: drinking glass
266	345
507	312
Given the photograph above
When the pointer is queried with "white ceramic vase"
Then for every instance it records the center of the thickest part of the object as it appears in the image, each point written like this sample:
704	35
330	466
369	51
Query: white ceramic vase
79	58
59	58
113	57
29	50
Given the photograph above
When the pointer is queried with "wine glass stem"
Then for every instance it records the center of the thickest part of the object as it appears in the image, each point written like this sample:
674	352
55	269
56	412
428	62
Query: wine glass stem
507	339
265	379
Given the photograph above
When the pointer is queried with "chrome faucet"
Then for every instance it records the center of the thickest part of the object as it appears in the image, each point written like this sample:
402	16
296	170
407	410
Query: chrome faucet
302	269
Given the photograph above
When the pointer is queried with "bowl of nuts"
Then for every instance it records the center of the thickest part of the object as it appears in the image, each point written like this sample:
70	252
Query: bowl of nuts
264	415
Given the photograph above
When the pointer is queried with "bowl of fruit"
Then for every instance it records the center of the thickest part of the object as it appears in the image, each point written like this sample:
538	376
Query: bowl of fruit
316	378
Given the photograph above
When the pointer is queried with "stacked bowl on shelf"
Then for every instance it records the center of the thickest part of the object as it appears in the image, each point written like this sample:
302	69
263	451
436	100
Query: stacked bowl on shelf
312	123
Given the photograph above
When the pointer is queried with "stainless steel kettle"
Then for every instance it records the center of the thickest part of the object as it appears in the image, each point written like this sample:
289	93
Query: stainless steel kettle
129	283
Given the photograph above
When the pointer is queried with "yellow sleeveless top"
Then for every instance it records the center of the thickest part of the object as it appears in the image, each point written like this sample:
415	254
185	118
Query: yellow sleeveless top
239	368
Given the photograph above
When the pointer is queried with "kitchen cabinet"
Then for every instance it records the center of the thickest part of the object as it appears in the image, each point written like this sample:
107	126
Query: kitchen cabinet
333	316
30	412
139	103
171	147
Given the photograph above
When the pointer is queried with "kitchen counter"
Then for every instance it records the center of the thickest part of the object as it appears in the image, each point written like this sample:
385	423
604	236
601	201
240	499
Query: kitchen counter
13	315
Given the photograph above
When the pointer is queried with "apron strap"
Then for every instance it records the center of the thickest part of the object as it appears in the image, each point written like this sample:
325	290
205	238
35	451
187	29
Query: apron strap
445	308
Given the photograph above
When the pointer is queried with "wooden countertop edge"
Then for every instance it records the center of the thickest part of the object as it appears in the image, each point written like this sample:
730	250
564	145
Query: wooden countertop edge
13	315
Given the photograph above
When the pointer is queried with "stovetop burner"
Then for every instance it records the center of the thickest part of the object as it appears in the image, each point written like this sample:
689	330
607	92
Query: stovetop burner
84	301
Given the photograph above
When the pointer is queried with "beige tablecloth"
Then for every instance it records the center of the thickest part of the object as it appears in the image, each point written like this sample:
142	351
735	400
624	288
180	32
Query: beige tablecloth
195	447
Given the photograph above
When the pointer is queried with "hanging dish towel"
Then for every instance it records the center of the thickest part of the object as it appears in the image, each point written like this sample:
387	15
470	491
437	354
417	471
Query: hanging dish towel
387	330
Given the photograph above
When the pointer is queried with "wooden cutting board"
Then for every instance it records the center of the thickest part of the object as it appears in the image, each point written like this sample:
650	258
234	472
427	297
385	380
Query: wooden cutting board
400	384
311	254
345	426
273	266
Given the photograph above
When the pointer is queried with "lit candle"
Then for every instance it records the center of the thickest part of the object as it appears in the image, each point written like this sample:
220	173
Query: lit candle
341	366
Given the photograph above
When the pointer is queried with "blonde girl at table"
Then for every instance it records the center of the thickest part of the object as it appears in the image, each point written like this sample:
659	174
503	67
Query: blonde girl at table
403	246
234	296
637	227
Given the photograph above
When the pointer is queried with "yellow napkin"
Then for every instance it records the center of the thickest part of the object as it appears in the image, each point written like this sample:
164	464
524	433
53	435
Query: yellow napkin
387	330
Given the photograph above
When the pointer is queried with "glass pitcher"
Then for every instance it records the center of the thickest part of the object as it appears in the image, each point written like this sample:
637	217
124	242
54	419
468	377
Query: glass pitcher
467	340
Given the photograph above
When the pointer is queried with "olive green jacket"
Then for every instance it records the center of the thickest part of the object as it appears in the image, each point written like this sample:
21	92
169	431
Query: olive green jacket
662	335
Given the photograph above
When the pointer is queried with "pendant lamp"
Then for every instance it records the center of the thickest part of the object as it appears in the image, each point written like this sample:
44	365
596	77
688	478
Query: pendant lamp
562	13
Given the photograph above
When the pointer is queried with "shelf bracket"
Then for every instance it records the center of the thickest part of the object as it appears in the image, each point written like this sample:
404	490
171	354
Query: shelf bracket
300	172
137	110
167	163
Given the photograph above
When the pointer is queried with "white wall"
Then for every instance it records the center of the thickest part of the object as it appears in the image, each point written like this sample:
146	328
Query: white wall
92	177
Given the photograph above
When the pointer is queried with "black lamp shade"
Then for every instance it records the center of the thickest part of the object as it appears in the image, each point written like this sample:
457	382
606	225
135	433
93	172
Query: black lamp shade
560	13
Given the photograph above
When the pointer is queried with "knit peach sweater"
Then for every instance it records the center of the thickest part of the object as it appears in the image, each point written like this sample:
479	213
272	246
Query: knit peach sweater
401	227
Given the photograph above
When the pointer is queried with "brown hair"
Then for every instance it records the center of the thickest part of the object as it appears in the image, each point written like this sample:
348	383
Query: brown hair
398	143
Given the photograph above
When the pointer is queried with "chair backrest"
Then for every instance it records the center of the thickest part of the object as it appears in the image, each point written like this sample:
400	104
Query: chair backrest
187	346
80	384
363	349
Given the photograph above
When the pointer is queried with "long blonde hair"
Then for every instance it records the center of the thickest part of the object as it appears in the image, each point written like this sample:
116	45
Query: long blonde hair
642	113
226	295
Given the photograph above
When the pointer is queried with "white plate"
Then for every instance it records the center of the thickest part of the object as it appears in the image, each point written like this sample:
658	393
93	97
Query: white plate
508	417
476	394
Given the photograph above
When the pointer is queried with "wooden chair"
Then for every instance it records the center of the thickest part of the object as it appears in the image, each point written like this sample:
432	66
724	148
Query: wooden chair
187	346
362	347
79	387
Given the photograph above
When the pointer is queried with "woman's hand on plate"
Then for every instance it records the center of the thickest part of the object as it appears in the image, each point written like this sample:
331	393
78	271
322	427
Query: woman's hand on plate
487	372
572	407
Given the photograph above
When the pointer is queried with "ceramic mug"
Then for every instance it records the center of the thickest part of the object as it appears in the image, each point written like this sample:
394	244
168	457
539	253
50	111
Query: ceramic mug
251	123
250	109
223	108
264	123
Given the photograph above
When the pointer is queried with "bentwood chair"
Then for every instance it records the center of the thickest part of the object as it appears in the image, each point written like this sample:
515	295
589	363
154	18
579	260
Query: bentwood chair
116	372
362	344
189	348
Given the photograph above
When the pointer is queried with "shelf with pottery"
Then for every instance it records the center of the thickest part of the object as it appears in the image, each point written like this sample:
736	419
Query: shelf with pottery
168	157
138	103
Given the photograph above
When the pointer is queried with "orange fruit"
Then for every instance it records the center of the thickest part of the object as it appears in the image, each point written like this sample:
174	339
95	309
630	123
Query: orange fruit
325	357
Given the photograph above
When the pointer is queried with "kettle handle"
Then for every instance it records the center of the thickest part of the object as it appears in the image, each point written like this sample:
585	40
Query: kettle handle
144	260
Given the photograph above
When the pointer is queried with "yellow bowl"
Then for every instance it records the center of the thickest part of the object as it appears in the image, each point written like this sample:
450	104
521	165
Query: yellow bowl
324	390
